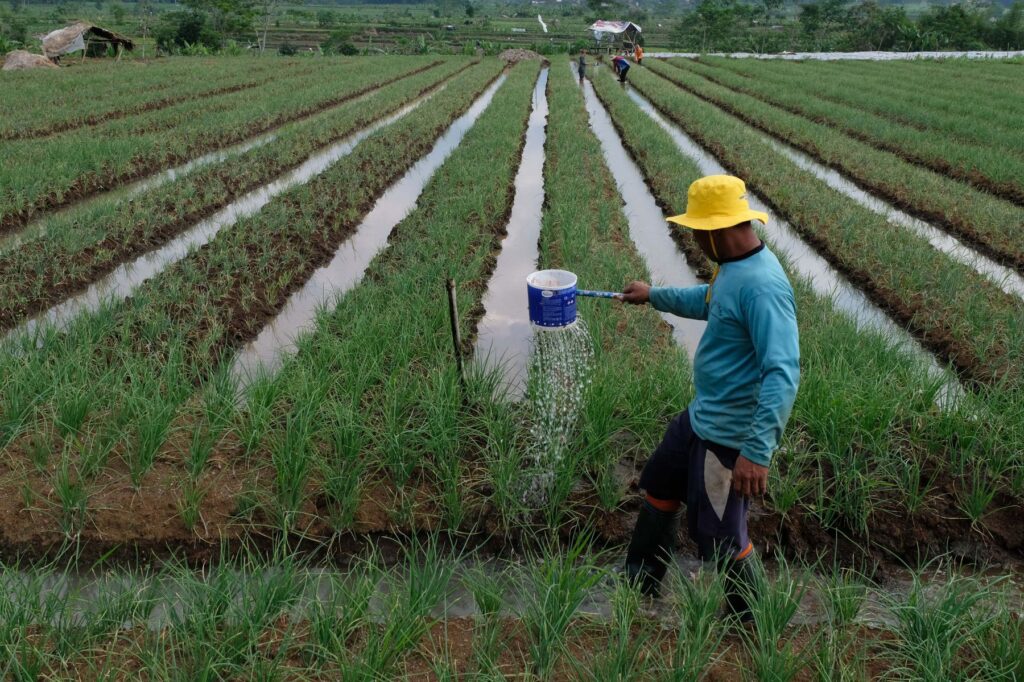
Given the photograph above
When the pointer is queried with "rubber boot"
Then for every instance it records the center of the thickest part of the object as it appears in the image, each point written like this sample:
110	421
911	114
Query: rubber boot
650	549
740	581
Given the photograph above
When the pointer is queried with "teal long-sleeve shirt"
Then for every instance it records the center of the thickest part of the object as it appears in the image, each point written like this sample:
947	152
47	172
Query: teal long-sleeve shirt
747	366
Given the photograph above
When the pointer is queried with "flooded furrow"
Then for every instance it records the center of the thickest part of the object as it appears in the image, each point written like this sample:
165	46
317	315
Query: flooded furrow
505	335
647	225
127	277
1007	279
815	270
277	340
79	595
37	228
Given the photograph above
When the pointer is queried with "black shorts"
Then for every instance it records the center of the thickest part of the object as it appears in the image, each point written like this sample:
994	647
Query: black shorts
699	472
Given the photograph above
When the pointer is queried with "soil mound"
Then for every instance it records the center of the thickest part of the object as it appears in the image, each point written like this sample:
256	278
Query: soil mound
514	55
20	59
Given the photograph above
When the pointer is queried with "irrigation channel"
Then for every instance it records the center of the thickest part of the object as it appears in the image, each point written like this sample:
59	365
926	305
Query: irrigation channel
504	335
120	283
542	24
278	339
72	596
823	279
667	264
1007	279
37	227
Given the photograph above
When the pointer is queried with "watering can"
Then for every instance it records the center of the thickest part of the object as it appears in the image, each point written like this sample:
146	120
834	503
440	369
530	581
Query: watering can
552	297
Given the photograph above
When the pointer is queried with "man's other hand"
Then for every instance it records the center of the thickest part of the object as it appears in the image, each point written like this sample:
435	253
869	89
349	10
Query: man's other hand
749	479
636	293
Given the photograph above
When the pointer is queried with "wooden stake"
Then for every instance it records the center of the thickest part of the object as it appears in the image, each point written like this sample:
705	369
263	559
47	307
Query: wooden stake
453	313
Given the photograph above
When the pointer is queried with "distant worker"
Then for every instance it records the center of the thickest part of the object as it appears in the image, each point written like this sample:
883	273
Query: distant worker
581	67
715	455
638	54
621	66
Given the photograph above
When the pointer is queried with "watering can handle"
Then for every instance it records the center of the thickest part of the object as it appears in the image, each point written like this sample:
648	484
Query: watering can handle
598	294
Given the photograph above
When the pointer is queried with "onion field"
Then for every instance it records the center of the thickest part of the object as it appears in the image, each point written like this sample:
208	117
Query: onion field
240	442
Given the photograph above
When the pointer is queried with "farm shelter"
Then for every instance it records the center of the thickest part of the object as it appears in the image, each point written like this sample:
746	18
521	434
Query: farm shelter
612	33
83	36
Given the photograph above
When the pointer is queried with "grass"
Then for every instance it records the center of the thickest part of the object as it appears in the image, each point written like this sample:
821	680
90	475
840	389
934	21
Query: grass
985	166
78	248
52	172
278	618
34	106
126	429
842	443
979	218
161	354
912	100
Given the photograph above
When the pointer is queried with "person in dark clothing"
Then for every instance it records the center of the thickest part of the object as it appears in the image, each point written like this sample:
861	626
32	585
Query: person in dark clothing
621	67
581	67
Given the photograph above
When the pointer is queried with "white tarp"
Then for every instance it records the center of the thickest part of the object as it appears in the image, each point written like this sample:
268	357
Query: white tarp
65	40
602	28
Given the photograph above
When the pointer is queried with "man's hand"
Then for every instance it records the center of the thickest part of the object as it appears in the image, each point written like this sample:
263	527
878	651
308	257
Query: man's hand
749	479
636	293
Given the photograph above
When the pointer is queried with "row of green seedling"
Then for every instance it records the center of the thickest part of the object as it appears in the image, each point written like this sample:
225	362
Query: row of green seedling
33	106
387	425
77	249
981	219
283	619
909	98
865	433
49	119
957	312
38	175
987	167
136	365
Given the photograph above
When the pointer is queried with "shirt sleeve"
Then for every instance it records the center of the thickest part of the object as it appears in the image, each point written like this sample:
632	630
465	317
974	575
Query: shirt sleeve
682	301
771	320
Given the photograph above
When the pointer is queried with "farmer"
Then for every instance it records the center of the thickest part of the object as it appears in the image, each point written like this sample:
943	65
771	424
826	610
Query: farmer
621	66
715	455
582	66
638	54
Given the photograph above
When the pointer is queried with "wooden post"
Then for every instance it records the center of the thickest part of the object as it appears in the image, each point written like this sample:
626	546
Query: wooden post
453	313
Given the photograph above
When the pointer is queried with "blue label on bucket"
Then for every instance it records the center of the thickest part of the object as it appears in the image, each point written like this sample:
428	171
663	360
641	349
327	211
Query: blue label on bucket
552	308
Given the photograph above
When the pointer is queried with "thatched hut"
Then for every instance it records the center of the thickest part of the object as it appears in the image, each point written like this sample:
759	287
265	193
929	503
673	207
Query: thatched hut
84	36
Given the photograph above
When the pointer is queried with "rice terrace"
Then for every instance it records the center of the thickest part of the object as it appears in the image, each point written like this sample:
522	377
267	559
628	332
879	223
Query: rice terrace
312	369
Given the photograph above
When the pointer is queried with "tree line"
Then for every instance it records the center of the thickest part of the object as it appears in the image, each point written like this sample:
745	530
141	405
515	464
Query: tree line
834	25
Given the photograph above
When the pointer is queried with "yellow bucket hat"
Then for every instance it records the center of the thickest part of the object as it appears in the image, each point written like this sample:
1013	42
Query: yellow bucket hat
716	202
